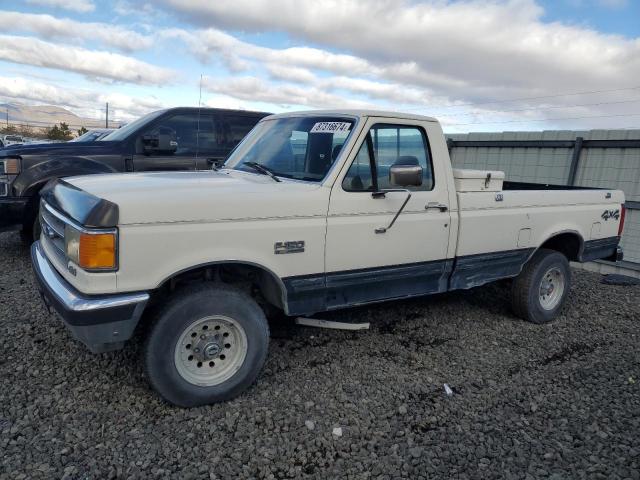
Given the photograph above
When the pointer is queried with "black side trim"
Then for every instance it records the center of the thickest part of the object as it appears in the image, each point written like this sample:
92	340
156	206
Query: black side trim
606	248
86	209
375	284
474	270
306	294
508	185
315	293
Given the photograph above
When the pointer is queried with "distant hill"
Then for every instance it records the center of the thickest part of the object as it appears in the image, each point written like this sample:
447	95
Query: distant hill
45	116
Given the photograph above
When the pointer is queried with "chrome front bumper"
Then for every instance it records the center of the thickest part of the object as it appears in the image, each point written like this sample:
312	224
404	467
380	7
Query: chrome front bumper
101	322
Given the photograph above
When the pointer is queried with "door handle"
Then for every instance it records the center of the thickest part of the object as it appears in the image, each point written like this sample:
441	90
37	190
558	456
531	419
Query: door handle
440	206
128	164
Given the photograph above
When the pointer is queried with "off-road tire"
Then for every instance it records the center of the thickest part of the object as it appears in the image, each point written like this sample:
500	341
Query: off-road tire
185	308
525	290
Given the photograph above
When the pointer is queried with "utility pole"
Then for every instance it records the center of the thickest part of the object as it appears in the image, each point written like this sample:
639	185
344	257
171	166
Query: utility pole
106	119
7	117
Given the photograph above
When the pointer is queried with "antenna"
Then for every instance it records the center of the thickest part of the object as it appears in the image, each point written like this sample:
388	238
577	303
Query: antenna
198	129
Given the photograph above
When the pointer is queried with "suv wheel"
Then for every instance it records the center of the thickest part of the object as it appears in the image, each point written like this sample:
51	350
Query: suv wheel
207	345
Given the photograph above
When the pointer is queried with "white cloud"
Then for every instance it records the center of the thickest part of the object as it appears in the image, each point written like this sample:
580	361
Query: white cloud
49	27
295	74
253	89
464	50
80	100
81	6
94	64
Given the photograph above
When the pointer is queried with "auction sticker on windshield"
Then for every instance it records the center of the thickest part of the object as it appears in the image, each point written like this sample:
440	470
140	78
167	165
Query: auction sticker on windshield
330	127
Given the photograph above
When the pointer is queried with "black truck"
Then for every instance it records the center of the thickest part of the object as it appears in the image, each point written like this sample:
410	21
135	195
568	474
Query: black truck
173	139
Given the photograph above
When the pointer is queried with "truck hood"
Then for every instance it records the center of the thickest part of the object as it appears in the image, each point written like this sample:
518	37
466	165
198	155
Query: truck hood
63	148
206	196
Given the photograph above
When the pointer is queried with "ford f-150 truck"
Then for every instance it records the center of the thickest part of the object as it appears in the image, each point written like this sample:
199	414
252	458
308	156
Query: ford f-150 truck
313	211
181	138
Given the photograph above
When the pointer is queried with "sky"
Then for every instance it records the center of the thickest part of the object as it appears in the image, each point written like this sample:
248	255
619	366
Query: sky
476	65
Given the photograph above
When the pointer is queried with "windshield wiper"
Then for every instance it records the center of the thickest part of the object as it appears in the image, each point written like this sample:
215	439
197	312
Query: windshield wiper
262	169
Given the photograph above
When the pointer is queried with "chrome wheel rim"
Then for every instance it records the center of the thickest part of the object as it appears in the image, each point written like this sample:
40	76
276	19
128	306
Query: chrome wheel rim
210	350
552	288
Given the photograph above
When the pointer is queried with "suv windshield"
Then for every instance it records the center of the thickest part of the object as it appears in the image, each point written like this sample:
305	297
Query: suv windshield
129	128
302	148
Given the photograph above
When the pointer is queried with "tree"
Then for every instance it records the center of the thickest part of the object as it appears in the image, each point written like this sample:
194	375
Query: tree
82	131
61	132
9	130
26	131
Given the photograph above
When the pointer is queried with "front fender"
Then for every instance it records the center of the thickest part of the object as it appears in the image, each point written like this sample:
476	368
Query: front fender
39	171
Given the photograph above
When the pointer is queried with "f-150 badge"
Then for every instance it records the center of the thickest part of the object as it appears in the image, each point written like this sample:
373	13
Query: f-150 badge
296	246
615	214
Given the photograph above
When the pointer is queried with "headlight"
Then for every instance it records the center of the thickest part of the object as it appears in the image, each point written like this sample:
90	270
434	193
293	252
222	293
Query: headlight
91	251
11	166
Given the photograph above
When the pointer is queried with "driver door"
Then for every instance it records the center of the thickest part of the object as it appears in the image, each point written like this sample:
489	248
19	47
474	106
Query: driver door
410	258
183	129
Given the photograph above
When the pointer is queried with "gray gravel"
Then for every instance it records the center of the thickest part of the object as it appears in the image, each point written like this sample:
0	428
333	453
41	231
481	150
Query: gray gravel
560	401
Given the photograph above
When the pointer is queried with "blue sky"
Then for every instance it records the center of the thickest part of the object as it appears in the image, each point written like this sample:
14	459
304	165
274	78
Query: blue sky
477	65
620	17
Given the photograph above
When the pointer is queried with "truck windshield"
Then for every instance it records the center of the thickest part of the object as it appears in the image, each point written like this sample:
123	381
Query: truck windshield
129	128
302	148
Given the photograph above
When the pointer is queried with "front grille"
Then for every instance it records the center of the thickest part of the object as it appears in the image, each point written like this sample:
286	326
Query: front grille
52	231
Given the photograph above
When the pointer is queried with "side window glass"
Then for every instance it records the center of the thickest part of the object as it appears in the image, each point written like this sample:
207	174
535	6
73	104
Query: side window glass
235	128
358	178
183	129
392	145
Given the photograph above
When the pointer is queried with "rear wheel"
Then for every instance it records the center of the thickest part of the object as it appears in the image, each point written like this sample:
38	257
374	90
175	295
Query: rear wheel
540	291
207	345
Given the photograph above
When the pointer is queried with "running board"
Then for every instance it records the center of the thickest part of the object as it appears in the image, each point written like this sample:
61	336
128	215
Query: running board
314	322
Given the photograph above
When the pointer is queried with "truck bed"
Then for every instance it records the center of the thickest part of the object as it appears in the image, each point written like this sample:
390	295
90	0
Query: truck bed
498	231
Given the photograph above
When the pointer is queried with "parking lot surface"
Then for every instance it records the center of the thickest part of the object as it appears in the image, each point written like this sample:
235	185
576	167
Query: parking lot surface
560	401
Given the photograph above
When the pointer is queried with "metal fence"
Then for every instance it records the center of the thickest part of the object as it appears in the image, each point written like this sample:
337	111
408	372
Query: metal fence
595	158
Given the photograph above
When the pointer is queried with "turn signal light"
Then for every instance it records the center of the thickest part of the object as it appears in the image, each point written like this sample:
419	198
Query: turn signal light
97	251
12	166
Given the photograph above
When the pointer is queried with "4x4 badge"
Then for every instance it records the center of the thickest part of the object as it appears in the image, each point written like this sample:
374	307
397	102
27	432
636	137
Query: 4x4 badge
607	214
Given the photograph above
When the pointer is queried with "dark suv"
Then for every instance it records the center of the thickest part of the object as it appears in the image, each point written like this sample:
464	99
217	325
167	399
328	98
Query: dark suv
173	139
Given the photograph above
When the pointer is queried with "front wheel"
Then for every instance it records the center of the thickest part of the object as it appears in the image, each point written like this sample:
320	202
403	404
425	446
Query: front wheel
207	345
541	289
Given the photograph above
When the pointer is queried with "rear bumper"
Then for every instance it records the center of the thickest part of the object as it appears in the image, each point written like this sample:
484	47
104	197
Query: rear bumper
618	256
602	249
101	322
12	211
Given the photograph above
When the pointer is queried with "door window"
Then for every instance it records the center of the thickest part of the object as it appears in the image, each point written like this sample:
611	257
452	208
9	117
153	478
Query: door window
388	145
184	128
235	128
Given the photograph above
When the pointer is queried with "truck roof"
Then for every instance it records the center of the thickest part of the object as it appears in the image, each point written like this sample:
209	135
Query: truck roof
357	113
212	109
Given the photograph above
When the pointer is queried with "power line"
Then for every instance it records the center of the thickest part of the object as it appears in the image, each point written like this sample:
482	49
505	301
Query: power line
546	119
540	97
542	108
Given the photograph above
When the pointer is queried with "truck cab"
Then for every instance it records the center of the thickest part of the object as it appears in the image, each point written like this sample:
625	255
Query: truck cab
313	211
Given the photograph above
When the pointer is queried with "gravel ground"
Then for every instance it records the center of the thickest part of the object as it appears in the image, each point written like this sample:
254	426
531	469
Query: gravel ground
557	401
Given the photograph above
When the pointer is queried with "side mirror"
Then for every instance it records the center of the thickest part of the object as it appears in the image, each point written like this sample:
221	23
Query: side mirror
405	175
159	143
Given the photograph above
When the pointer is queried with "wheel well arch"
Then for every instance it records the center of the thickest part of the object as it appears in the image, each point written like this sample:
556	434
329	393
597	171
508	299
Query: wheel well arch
252	277
568	242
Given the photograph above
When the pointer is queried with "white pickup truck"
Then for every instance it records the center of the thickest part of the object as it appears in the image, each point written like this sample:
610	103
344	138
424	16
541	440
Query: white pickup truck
313	211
